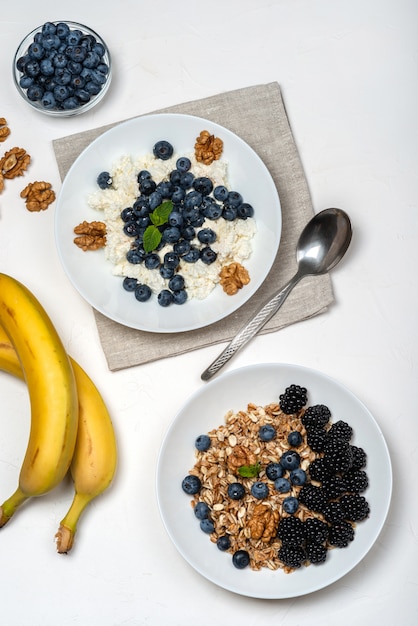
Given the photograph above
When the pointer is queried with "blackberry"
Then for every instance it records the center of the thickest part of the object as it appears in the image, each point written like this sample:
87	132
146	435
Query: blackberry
340	534
354	507
342	430
338	455
316	530
312	497
356	481
359	457
315	439
316	552
334	486
292	556
291	531
318	471
333	512
293	399
316	416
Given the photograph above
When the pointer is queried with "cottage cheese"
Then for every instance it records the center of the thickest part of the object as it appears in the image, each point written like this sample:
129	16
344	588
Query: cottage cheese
233	242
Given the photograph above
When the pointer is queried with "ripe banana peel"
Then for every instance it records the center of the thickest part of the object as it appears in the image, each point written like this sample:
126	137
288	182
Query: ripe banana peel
48	373
94	460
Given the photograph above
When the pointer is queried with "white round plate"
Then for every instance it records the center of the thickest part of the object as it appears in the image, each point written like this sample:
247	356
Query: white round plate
205	410
91	274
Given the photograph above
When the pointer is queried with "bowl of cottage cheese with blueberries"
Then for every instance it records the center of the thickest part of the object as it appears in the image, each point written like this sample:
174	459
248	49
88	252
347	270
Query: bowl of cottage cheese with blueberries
168	223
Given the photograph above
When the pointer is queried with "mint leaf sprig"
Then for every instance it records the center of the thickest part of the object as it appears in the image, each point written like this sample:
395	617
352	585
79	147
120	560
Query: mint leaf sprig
159	217
249	471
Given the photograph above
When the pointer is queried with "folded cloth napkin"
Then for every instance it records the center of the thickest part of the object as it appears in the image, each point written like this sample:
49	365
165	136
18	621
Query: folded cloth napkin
257	115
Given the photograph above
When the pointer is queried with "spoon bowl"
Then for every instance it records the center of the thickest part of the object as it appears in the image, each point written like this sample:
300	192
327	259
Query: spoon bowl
321	245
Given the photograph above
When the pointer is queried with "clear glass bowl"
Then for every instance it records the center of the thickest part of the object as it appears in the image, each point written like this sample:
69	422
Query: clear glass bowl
58	110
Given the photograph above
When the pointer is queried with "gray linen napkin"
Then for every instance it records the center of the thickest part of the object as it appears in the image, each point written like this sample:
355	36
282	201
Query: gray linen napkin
256	114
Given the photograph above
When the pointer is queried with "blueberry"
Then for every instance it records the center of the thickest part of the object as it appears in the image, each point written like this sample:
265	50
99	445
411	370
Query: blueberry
62	30
234	199
203	185
236	491
165	188
180	296
166	272
36	51
290	460
35	92
207	526
241	559
163	150
175	177
131	229
192	256
202	443
298	477
206	235
134	257
229	214
191	484
282	485
171	234
91	59
32	68
183	164
129	283
193	199
267	432
207	255
182	247
46	67
223	543
142	292
178	194
152	261
26	81
259	490
290	505
176	283
212	211
201	510
220	193
59	61
48	100
186	180
165	298
70	103
274	471
92	88
143	175
176	219
294	438
171	259
245	210
188	233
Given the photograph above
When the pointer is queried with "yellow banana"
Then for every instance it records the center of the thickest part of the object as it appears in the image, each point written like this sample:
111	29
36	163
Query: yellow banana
95	456
52	391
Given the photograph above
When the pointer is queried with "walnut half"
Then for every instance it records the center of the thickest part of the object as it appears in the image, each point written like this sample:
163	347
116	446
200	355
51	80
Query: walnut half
208	148
233	277
4	129
91	235
263	523
38	195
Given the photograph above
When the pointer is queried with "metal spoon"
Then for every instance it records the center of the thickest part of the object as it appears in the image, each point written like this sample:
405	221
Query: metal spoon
322	244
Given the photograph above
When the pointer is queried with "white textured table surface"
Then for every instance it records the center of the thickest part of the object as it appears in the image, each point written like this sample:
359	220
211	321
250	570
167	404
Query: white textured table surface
347	71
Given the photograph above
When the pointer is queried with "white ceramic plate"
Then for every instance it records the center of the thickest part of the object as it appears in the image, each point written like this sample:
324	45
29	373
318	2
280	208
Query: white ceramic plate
204	411
91	274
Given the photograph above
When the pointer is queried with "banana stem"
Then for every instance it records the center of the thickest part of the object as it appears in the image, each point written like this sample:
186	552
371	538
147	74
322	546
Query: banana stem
10	506
68	526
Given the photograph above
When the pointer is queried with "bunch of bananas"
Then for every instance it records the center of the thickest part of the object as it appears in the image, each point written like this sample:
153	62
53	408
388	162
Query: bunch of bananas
71	428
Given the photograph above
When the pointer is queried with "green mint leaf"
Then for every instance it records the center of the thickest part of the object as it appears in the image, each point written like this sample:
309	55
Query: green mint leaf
249	471
151	238
160	215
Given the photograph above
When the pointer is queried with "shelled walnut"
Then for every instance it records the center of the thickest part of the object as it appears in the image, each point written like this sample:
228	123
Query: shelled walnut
91	235
38	196
240	456
4	129
14	163
208	148
263	523
233	277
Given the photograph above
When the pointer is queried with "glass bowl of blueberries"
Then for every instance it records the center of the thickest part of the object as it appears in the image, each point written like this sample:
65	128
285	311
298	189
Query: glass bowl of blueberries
62	68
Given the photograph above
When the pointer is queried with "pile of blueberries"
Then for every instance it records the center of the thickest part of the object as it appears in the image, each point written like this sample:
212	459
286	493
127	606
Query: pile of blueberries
194	200
63	67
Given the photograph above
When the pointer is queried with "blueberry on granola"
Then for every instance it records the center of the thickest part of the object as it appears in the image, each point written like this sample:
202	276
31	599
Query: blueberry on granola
241	559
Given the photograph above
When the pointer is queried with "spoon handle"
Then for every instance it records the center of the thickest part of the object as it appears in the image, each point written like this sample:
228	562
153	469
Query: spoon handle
251	328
